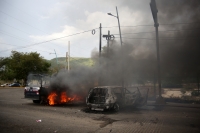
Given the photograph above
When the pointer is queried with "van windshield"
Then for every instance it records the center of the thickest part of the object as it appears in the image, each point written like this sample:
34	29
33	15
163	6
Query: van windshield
35	80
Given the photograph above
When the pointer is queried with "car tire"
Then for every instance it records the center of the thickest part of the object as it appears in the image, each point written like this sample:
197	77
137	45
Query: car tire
116	107
36	101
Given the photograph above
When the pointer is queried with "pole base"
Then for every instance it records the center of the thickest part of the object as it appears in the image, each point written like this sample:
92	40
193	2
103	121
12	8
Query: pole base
160	100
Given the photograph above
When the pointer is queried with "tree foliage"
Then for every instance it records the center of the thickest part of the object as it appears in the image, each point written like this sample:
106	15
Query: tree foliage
20	64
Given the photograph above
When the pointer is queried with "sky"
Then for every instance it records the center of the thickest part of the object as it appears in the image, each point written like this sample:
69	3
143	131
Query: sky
45	26
48	26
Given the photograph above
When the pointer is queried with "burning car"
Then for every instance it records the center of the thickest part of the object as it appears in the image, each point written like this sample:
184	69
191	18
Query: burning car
40	89
112	97
36	87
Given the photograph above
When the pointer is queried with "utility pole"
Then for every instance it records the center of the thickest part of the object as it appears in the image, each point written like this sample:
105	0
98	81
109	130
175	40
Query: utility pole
68	55
154	11
118	24
66	60
108	45
119	27
108	37
100	52
56	57
99	42
122	80
198	83
154	85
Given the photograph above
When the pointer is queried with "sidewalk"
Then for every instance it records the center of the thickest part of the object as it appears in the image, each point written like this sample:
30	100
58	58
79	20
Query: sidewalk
172	104
12	87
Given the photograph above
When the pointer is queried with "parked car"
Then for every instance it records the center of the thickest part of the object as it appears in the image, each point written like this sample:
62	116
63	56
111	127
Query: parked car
14	85
6	84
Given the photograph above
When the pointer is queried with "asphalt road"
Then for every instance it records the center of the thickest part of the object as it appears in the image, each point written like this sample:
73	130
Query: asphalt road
19	115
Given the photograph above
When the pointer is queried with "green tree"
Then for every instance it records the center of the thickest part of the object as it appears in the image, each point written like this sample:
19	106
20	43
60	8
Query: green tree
20	64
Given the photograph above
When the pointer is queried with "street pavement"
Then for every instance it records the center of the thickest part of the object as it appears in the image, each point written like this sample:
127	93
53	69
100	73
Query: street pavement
19	115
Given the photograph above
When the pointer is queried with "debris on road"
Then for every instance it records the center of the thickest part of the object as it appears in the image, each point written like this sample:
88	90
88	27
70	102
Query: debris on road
38	120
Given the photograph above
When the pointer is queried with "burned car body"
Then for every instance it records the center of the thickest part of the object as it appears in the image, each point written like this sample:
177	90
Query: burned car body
113	97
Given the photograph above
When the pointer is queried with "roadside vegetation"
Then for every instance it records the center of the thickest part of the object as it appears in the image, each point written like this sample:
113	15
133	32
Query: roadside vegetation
16	67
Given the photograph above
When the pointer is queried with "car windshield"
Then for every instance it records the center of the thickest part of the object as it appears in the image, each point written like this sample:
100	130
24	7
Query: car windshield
35	80
100	91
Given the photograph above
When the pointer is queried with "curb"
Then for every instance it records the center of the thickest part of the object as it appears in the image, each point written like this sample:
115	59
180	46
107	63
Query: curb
176	105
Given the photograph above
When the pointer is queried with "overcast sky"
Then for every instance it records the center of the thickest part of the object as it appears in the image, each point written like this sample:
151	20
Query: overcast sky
30	25
24	24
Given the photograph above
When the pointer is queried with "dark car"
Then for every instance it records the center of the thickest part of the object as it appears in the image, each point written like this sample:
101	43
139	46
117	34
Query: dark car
36	87
14	85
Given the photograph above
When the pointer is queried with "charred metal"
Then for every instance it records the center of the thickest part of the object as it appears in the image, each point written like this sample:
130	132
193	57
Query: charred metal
113	97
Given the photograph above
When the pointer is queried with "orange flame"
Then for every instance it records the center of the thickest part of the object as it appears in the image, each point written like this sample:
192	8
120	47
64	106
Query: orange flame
54	98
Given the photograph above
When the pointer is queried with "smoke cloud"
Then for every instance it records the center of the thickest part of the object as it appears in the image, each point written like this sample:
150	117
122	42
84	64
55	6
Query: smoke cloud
135	61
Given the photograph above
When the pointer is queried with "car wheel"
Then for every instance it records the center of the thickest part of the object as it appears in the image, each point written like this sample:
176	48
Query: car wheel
116	107
36	101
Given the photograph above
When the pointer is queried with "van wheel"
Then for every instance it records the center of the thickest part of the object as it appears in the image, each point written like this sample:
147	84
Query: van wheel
116	107
36	101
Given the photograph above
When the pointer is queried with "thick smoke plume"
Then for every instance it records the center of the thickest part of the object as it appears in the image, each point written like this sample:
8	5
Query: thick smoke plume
135	61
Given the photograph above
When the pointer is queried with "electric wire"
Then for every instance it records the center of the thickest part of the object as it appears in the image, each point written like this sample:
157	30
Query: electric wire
160	38
22	21
30	48
159	31
14	36
20	9
14	27
153	25
51	40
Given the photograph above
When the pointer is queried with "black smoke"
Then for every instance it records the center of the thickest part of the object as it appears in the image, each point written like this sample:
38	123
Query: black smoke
135	61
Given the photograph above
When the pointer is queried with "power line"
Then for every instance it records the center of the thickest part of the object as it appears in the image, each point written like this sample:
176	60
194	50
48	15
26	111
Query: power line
126	26
18	9
52	40
14	27
74	59
14	35
153	25
11	35
21	21
26	41
181	23
160	38
30	48
138	38
160	31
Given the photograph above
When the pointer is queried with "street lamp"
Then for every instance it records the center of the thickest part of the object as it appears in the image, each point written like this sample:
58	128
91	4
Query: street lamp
118	24
154	12
120	42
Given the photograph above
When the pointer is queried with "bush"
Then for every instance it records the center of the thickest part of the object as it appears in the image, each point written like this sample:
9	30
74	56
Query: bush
194	93
183	90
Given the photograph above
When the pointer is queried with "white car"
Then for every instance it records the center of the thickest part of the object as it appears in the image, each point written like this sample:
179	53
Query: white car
6	84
